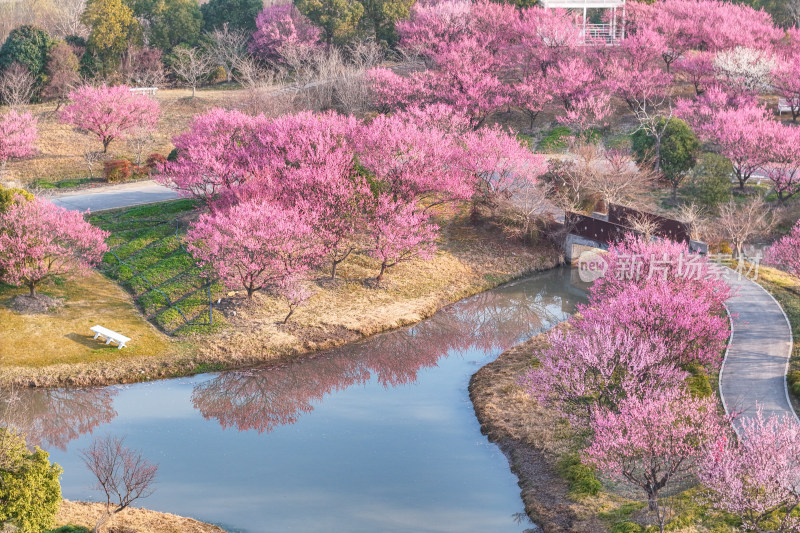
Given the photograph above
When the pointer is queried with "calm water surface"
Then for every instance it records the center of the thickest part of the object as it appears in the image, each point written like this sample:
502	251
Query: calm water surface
377	436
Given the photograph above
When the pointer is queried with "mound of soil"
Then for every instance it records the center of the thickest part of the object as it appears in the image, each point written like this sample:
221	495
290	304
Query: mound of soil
32	305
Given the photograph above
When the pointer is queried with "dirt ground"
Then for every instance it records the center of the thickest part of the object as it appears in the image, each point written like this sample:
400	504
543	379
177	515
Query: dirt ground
132	519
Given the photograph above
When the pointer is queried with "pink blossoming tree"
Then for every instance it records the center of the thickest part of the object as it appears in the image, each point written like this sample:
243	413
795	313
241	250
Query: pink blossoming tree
283	25
17	136
399	232
255	246
213	155
599	366
110	113
785	253
757	476
39	240
653	443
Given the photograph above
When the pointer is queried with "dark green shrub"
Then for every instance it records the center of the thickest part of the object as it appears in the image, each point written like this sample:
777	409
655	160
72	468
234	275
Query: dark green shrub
118	170
28	46
677	153
709	183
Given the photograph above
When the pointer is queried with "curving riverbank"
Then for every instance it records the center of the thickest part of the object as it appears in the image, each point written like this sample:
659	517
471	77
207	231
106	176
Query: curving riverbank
470	263
530	438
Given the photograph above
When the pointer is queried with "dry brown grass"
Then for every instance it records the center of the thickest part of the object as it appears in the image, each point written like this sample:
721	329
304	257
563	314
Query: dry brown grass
470	259
132	519
62	336
61	149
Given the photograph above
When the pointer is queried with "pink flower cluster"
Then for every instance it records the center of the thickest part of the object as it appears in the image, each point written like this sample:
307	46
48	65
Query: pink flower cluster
367	185
620	372
39	240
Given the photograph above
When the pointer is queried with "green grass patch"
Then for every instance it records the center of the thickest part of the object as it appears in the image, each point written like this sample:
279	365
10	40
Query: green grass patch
69	529
64	184
581	478
149	260
555	139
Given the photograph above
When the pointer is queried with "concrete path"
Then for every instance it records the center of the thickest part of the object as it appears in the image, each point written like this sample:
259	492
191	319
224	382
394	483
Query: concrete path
754	371
113	196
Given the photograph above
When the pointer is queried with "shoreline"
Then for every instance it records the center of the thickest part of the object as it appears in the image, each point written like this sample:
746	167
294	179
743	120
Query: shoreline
529	436
236	350
85	514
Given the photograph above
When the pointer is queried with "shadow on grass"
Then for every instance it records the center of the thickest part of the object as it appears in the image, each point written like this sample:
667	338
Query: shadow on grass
87	340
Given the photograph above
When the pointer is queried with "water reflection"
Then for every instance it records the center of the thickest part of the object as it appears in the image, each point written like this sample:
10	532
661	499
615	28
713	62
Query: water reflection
265	398
51	418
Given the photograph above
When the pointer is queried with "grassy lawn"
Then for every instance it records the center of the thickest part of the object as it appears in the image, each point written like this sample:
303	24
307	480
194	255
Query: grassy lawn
150	262
63	335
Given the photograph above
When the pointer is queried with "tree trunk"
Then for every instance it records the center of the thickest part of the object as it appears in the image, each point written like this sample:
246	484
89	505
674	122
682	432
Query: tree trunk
194	87
250	292
291	312
674	192
380	274
32	287
101	522
652	502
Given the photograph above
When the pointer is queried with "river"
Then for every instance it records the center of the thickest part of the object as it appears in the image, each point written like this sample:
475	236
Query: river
375	436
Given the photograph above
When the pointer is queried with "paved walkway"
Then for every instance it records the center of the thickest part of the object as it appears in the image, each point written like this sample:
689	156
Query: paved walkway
113	196
754	371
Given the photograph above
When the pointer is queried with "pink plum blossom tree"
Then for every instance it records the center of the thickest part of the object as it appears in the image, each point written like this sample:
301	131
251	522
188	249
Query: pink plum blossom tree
255	246
636	261
599	365
39	240
653	443
283	25
757	476
17	136
786	80
399	232
110	113
693	329
785	252
212	155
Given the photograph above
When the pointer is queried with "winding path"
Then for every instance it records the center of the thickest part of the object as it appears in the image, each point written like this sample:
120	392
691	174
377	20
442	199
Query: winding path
114	196
754	372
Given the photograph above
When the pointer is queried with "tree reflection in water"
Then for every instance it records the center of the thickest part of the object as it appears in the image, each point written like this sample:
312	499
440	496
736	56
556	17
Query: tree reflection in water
265	398
54	417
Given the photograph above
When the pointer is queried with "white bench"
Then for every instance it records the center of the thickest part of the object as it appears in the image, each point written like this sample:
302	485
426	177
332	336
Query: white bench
108	335
145	90
784	106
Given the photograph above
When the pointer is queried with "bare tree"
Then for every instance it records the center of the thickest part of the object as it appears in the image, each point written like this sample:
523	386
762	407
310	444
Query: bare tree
644	225
609	175
227	48
17	86
793	9
740	222
351	89
65	18
693	216
92	158
192	66
140	142
123	475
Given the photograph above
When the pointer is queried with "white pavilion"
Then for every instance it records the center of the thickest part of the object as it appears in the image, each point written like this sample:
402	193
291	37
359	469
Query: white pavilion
609	32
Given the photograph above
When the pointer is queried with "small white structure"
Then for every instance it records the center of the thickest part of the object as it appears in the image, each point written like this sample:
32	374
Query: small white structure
108	335
608	33
784	106
145	90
